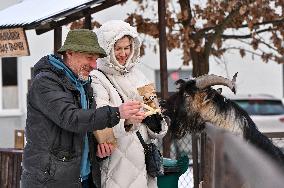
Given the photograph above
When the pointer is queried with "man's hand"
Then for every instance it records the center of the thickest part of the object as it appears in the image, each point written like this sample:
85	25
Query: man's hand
104	150
131	111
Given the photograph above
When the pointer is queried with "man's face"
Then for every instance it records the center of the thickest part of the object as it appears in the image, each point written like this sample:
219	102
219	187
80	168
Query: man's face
82	63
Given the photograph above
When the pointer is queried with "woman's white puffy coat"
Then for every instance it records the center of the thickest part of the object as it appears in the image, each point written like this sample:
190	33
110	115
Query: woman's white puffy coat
125	168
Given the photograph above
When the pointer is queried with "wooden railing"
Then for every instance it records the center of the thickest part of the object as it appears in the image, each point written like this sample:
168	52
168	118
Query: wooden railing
10	168
227	161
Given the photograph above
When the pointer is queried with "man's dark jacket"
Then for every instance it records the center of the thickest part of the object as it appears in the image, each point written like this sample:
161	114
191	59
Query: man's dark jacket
55	129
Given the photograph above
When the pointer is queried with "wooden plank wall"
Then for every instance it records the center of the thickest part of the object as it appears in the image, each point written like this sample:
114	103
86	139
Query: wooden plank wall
10	168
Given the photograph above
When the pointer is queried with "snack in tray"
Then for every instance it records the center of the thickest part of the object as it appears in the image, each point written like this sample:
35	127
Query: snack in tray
105	136
149	95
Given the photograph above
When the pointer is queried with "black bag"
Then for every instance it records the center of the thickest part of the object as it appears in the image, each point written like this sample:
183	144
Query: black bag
153	158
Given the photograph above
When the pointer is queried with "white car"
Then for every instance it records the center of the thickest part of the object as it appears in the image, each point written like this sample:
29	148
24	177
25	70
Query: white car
267	112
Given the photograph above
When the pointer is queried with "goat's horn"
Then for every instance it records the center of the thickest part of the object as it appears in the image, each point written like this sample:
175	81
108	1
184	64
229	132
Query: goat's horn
211	80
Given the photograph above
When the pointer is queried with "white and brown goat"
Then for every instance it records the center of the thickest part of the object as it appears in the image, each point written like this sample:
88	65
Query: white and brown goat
197	102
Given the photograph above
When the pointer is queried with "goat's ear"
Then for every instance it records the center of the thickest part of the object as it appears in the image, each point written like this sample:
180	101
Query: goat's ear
219	90
206	99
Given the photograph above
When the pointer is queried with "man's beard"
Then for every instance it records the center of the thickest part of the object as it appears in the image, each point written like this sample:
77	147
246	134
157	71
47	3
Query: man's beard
82	77
81	72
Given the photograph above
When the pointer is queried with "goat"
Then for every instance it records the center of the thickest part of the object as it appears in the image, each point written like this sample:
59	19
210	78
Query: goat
196	103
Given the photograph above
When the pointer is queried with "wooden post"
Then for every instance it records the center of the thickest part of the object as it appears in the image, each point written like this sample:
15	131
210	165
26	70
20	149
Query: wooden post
88	22
195	160
163	49
202	156
57	40
163	67
19	139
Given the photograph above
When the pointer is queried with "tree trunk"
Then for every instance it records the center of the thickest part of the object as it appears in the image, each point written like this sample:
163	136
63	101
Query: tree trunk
200	63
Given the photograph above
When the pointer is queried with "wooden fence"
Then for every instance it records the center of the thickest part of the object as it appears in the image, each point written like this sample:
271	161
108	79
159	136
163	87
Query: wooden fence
220	160
227	161
10	168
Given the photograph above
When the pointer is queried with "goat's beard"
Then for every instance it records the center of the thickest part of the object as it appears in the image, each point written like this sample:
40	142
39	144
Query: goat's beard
186	123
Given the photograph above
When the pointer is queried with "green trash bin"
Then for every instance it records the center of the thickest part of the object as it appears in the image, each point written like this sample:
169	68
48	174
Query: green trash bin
173	169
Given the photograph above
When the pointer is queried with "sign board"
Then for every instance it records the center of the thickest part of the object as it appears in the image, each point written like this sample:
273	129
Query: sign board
13	42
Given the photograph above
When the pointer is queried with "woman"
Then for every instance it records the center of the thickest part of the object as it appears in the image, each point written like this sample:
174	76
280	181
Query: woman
117	82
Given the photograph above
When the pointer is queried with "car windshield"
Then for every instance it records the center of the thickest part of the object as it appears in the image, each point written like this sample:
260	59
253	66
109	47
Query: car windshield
261	107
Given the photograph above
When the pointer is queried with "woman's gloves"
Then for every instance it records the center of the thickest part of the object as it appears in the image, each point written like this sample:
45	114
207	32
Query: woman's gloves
154	122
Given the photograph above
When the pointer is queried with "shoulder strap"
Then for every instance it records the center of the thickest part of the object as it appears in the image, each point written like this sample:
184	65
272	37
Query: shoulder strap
141	139
111	84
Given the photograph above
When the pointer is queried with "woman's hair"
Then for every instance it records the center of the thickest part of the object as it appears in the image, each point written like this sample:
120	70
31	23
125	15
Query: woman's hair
126	36
129	37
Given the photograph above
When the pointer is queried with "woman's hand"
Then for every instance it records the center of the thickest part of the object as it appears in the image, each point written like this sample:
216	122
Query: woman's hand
104	150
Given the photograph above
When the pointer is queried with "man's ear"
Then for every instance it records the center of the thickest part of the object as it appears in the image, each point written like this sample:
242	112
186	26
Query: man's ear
69	53
68	57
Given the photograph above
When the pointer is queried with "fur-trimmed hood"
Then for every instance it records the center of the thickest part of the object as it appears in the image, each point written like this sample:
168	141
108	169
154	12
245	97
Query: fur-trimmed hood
108	34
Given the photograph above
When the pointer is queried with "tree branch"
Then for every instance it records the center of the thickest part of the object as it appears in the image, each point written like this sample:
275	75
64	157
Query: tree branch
268	45
186	13
260	49
275	22
246	36
219	29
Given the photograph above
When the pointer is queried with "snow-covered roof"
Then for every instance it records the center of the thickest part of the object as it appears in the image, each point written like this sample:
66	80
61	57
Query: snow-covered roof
35	12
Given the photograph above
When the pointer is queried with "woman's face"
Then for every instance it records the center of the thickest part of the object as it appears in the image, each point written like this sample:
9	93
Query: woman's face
122	50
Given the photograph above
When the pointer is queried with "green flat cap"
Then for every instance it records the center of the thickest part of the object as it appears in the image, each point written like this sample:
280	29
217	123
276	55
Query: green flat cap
82	40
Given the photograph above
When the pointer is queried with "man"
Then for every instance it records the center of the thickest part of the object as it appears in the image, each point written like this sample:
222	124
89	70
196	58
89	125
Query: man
61	118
